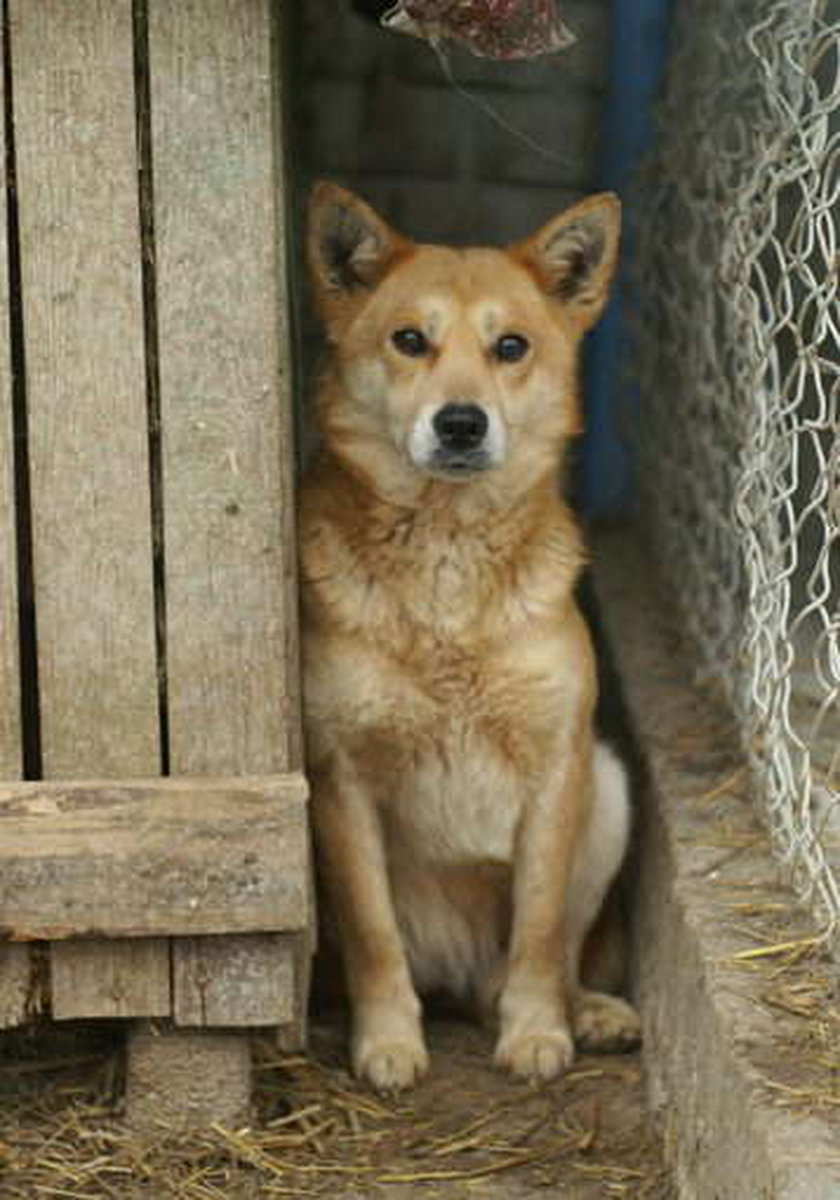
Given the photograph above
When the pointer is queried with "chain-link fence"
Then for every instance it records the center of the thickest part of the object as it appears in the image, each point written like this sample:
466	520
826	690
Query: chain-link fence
736	298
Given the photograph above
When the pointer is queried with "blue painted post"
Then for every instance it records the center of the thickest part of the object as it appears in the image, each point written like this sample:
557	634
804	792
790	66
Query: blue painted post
637	63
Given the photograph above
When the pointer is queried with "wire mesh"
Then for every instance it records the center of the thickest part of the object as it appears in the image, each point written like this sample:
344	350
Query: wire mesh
738	370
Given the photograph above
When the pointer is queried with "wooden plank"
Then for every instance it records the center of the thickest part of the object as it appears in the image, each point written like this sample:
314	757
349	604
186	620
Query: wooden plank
14	985
151	858
225	387
15	965
223	356
18	1002
83	324
112	979
292	1035
10	733
227	981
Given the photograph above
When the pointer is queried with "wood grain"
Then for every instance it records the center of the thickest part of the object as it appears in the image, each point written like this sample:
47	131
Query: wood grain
180	1079
83	325
10	732
80	258
245	981
15	966
147	859
292	1035
17	1000
225	380
110	979
225	383
150	859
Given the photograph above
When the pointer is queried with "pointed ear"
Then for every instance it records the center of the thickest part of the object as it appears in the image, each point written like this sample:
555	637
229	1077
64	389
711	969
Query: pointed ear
350	248
573	257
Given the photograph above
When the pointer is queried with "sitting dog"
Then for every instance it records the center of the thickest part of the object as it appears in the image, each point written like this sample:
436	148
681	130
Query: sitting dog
467	821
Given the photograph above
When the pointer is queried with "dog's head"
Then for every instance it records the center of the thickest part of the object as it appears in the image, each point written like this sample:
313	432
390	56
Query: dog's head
456	363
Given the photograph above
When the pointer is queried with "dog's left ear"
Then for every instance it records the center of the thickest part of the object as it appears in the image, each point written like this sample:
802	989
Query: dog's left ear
573	257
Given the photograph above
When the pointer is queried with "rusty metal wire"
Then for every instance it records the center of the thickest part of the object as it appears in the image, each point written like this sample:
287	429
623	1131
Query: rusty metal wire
738	365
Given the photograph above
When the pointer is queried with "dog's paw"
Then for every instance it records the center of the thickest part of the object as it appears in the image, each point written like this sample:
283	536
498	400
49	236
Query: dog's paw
605	1024
390	1063
537	1055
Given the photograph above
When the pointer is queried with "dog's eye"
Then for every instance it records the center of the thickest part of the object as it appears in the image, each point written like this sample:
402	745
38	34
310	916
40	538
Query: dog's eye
411	342
511	347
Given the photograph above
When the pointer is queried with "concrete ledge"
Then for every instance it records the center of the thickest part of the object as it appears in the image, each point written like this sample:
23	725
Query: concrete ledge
739	1002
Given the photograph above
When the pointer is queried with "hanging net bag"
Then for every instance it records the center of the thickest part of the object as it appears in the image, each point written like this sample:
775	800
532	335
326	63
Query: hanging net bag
503	29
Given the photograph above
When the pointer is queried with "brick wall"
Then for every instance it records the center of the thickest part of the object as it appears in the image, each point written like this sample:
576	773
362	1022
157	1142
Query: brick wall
375	111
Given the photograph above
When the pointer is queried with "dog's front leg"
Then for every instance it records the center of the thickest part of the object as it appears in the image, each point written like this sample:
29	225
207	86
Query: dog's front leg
387	1040
535	1039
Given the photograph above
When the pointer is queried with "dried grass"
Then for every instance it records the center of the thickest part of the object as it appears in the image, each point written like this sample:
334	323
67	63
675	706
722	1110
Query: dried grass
467	1131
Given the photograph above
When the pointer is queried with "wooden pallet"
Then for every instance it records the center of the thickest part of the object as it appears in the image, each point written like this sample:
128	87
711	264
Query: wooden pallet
147	567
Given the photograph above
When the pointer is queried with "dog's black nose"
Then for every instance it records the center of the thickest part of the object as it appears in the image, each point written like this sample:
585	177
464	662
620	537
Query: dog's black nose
461	426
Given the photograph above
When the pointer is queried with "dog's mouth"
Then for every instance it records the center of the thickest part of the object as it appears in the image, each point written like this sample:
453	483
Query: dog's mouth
459	464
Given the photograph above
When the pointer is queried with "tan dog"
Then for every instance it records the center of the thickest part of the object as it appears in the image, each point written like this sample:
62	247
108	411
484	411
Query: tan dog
467	824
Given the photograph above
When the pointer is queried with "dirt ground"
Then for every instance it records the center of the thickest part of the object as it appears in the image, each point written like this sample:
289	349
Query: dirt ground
466	1132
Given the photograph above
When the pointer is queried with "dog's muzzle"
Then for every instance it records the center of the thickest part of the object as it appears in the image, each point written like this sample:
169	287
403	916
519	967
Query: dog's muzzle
461	434
457	440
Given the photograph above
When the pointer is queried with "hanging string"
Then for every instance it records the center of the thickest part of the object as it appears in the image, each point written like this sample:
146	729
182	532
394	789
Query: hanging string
498	119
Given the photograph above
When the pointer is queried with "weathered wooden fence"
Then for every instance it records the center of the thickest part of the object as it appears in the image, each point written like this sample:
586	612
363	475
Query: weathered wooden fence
147	592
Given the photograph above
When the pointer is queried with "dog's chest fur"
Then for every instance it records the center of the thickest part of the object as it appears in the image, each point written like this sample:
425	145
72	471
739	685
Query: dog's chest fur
461	800
435	659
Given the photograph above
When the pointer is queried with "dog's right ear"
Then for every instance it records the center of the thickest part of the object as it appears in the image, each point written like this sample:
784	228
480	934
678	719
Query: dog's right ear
350	248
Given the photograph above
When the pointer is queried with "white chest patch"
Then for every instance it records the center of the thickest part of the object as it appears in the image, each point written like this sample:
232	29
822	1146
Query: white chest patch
459	804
